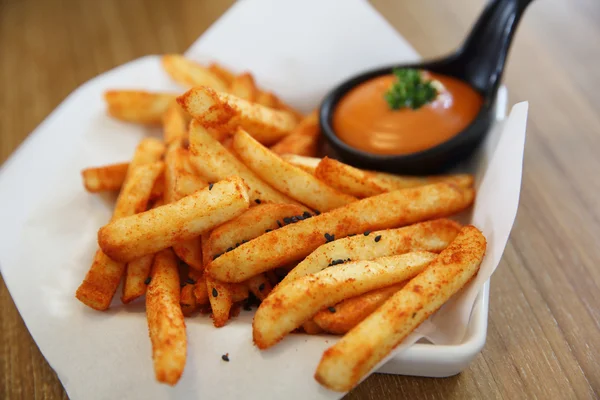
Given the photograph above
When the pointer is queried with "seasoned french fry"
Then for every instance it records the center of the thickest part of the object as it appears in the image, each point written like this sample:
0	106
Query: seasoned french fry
286	178
311	328
131	237
137	106
260	286
226	75
103	278
251	224
351	311
222	296
243	86
214	162
200	291
431	236
165	319
149	150
303	139
158	190
292	242
188	300
287	308
354	355
189	73
104	179
361	183
308	164
226	112
174	123
190	252
267	99
136	274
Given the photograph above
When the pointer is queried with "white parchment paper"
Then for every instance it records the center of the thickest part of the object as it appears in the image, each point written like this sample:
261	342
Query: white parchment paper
48	223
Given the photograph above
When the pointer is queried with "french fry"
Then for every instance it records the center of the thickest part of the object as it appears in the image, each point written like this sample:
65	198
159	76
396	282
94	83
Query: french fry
136	275
174	123
104	179
165	319
226	112
214	162
287	308
243	86
222	296
293	242
149	150
351	311
432	236
267	99
131	237
158	190
251	224
201	291
308	164
103	278
226	75
188	300
303	139
361	183
311	328
137	105
286	178
189	73
354	355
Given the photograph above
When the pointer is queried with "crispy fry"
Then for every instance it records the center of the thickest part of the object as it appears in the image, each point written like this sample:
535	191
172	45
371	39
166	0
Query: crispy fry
286	178
131	237
226	112
308	164
189	73
165	319
103	278
174	123
158	190
226	75
136	274
354	355
243	86
222	296
214	162
149	150
260	286
104	179
292	242
200	291
285	309
431	236
251	224
351	311
190	252
188	300
267	99
303	139
138	106
311	328
361	183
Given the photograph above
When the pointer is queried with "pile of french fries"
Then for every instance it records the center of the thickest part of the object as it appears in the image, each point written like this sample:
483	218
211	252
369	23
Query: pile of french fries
211	219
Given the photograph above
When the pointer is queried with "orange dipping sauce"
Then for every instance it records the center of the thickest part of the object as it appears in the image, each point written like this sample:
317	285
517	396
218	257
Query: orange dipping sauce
364	120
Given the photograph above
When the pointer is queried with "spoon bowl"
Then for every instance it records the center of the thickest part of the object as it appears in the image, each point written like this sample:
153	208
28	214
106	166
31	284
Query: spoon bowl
479	62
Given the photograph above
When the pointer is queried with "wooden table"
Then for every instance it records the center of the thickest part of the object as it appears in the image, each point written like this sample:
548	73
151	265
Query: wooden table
543	335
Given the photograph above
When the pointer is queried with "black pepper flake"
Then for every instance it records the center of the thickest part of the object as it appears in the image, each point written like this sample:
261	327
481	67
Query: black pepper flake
229	249
225	357
214	292
268	230
147	281
216	256
210	186
261	287
306	214
287	220
331	309
279	224
189	280
294	219
377	238
329	238
257	201
367	233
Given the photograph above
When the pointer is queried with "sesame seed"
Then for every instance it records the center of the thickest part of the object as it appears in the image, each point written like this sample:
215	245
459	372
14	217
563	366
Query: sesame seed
294	219
147	281
261	287
190	280
225	357
214	292
279	224
257	201
210	186
367	233
377	238
331	309
306	214
287	220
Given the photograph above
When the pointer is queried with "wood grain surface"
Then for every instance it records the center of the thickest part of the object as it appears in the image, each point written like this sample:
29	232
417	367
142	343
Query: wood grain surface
544	322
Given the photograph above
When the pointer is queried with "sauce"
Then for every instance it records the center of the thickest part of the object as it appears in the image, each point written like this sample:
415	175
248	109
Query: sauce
364	120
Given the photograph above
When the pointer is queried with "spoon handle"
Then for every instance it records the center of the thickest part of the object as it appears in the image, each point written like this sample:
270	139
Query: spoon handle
482	56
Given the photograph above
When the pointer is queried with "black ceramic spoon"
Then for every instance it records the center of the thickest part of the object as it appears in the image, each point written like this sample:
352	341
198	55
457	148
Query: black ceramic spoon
479	62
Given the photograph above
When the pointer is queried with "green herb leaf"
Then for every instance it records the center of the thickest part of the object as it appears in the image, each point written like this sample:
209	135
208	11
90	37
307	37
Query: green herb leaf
410	90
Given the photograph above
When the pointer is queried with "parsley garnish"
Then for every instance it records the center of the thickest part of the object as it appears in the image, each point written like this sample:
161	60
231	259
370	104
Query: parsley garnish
410	90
